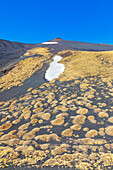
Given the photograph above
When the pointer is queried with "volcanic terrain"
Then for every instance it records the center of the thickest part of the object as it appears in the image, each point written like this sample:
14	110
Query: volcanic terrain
63	123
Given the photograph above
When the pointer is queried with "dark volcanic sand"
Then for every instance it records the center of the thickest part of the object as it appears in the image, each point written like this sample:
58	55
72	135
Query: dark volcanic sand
91	98
36	80
34	168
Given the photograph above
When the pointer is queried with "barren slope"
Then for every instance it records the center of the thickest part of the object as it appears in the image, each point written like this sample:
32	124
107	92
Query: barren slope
9	51
67	122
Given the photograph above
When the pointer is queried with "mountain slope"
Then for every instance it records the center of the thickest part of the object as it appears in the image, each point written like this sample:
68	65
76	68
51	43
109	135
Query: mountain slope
10	51
63	123
76	45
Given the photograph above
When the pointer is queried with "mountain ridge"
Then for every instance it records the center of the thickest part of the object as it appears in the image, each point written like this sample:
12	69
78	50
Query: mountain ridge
10	51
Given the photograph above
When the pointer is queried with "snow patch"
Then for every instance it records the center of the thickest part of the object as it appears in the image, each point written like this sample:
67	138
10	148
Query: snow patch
55	69
50	43
26	54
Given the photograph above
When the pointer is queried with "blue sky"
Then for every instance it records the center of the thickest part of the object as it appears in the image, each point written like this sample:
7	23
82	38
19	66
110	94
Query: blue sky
35	21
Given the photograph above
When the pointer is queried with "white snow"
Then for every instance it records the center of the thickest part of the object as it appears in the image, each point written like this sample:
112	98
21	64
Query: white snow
55	69
50	43
26	54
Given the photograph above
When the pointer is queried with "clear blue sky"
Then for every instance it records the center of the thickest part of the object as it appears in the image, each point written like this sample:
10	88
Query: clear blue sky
35	21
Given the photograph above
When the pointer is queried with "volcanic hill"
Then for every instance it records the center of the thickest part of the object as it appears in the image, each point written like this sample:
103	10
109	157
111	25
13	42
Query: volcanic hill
63	123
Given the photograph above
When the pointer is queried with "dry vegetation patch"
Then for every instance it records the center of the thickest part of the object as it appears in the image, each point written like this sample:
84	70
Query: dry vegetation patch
60	149
24	69
67	132
103	114
47	137
91	133
110	119
58	121
80	119
109	130
87	64
47	117
82	111
5	126
76	127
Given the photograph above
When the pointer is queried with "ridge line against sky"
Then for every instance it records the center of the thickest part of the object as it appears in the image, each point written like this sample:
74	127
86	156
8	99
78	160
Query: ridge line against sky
37	21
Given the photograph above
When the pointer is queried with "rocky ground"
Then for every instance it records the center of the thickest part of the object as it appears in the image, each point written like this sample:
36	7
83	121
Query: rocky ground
65	123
